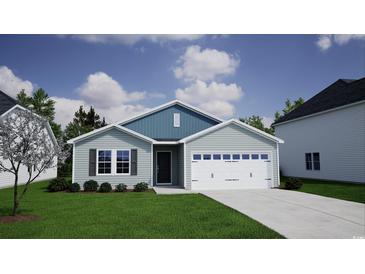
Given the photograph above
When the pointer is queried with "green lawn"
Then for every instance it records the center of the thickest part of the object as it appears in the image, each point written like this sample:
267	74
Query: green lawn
344	191
126	215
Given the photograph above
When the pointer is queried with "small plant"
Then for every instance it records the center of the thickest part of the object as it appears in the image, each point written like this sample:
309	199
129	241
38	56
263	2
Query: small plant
75	187
121	188
105	187
141	187
91	186
292	184
58	184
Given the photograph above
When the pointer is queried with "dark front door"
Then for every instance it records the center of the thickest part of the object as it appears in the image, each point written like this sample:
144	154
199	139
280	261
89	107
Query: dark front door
163	167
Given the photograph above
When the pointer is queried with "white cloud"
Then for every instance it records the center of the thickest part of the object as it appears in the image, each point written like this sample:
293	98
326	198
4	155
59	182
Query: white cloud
131	39
11	84
205	65
101	90
267	121
65	109
324	42
215	98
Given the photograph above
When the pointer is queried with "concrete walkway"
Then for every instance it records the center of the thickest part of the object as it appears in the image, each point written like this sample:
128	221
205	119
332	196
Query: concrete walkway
295	214
170	190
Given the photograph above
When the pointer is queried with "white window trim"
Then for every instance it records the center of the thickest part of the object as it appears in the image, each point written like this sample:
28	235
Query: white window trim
113	170
129	162
177	119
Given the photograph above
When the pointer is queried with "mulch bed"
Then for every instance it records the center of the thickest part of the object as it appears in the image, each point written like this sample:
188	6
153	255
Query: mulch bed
18	218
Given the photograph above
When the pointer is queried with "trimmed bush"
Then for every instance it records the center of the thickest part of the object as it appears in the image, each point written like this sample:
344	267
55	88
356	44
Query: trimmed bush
121	188
292	184
105	187
75	187
58	184
141	187
91	186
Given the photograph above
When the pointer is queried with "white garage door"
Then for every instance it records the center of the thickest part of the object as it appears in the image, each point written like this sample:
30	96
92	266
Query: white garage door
231	170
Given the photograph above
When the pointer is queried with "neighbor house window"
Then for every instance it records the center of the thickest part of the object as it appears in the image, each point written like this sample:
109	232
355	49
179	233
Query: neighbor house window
316	161
308	161
104	161
123	161
176	119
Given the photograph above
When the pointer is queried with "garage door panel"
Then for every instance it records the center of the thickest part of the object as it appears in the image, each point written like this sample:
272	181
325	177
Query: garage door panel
233	170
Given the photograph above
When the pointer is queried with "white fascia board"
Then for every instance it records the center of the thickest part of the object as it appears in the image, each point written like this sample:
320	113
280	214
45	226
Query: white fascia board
166	142
106	128
319	113
231	121
168	104
48	126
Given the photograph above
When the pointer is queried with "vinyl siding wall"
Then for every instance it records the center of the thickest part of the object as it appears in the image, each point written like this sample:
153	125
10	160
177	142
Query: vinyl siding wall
113	139
231	138
339	137
159	125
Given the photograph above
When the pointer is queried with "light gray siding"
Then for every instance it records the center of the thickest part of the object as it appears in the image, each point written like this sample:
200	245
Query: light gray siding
231	138
339	137
113	139
174	155
181	164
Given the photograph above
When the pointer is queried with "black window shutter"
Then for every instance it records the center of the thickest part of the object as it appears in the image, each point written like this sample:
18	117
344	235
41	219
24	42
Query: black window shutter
133	161
92	162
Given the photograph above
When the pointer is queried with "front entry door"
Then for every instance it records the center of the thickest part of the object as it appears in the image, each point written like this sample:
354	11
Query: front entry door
163	167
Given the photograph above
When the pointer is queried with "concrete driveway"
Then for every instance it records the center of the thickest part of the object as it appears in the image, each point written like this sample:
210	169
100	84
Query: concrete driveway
295	214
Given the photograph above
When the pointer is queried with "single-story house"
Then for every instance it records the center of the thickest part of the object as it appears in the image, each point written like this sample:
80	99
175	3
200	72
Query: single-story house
325	137
179	145
8	106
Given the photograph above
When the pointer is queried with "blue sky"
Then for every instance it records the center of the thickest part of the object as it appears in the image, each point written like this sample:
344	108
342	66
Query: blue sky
230	76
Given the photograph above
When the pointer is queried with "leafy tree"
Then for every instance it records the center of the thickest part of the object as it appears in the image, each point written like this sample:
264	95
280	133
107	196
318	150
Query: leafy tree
42	105
25	143
257	122
289	106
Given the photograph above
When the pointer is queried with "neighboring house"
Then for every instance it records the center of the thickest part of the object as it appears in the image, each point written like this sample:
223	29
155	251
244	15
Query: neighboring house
325	137
7	106
178	144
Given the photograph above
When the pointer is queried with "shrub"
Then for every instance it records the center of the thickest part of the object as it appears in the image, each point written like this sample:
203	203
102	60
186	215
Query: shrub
140	187
75	187
105	187
121	188
58	184
91	185
292	183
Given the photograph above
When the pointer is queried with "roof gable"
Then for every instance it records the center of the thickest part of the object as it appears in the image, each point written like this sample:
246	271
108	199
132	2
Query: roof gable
6	102
340	93
158	123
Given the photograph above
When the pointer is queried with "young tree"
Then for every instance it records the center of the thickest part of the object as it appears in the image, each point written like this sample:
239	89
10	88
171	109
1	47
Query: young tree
257	122
25	142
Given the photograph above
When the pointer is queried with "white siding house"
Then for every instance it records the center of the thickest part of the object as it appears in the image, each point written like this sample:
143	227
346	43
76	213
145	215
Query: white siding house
7	106
328	144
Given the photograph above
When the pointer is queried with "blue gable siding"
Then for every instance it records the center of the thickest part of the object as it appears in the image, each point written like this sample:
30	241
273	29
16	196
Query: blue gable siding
159	125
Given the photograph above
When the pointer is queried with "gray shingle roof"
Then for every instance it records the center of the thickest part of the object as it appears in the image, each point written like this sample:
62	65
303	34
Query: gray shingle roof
6	102
340	93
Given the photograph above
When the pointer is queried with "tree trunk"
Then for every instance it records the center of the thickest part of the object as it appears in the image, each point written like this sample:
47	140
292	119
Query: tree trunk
15	196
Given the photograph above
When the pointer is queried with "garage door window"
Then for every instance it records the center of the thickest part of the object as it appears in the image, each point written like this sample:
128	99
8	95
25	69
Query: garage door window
254	156
264	156
226	156
235	156
206	157
197	157
245	156
216	156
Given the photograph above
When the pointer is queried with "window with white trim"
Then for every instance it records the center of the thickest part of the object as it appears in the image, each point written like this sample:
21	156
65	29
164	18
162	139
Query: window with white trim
123	162
176	119
104	161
